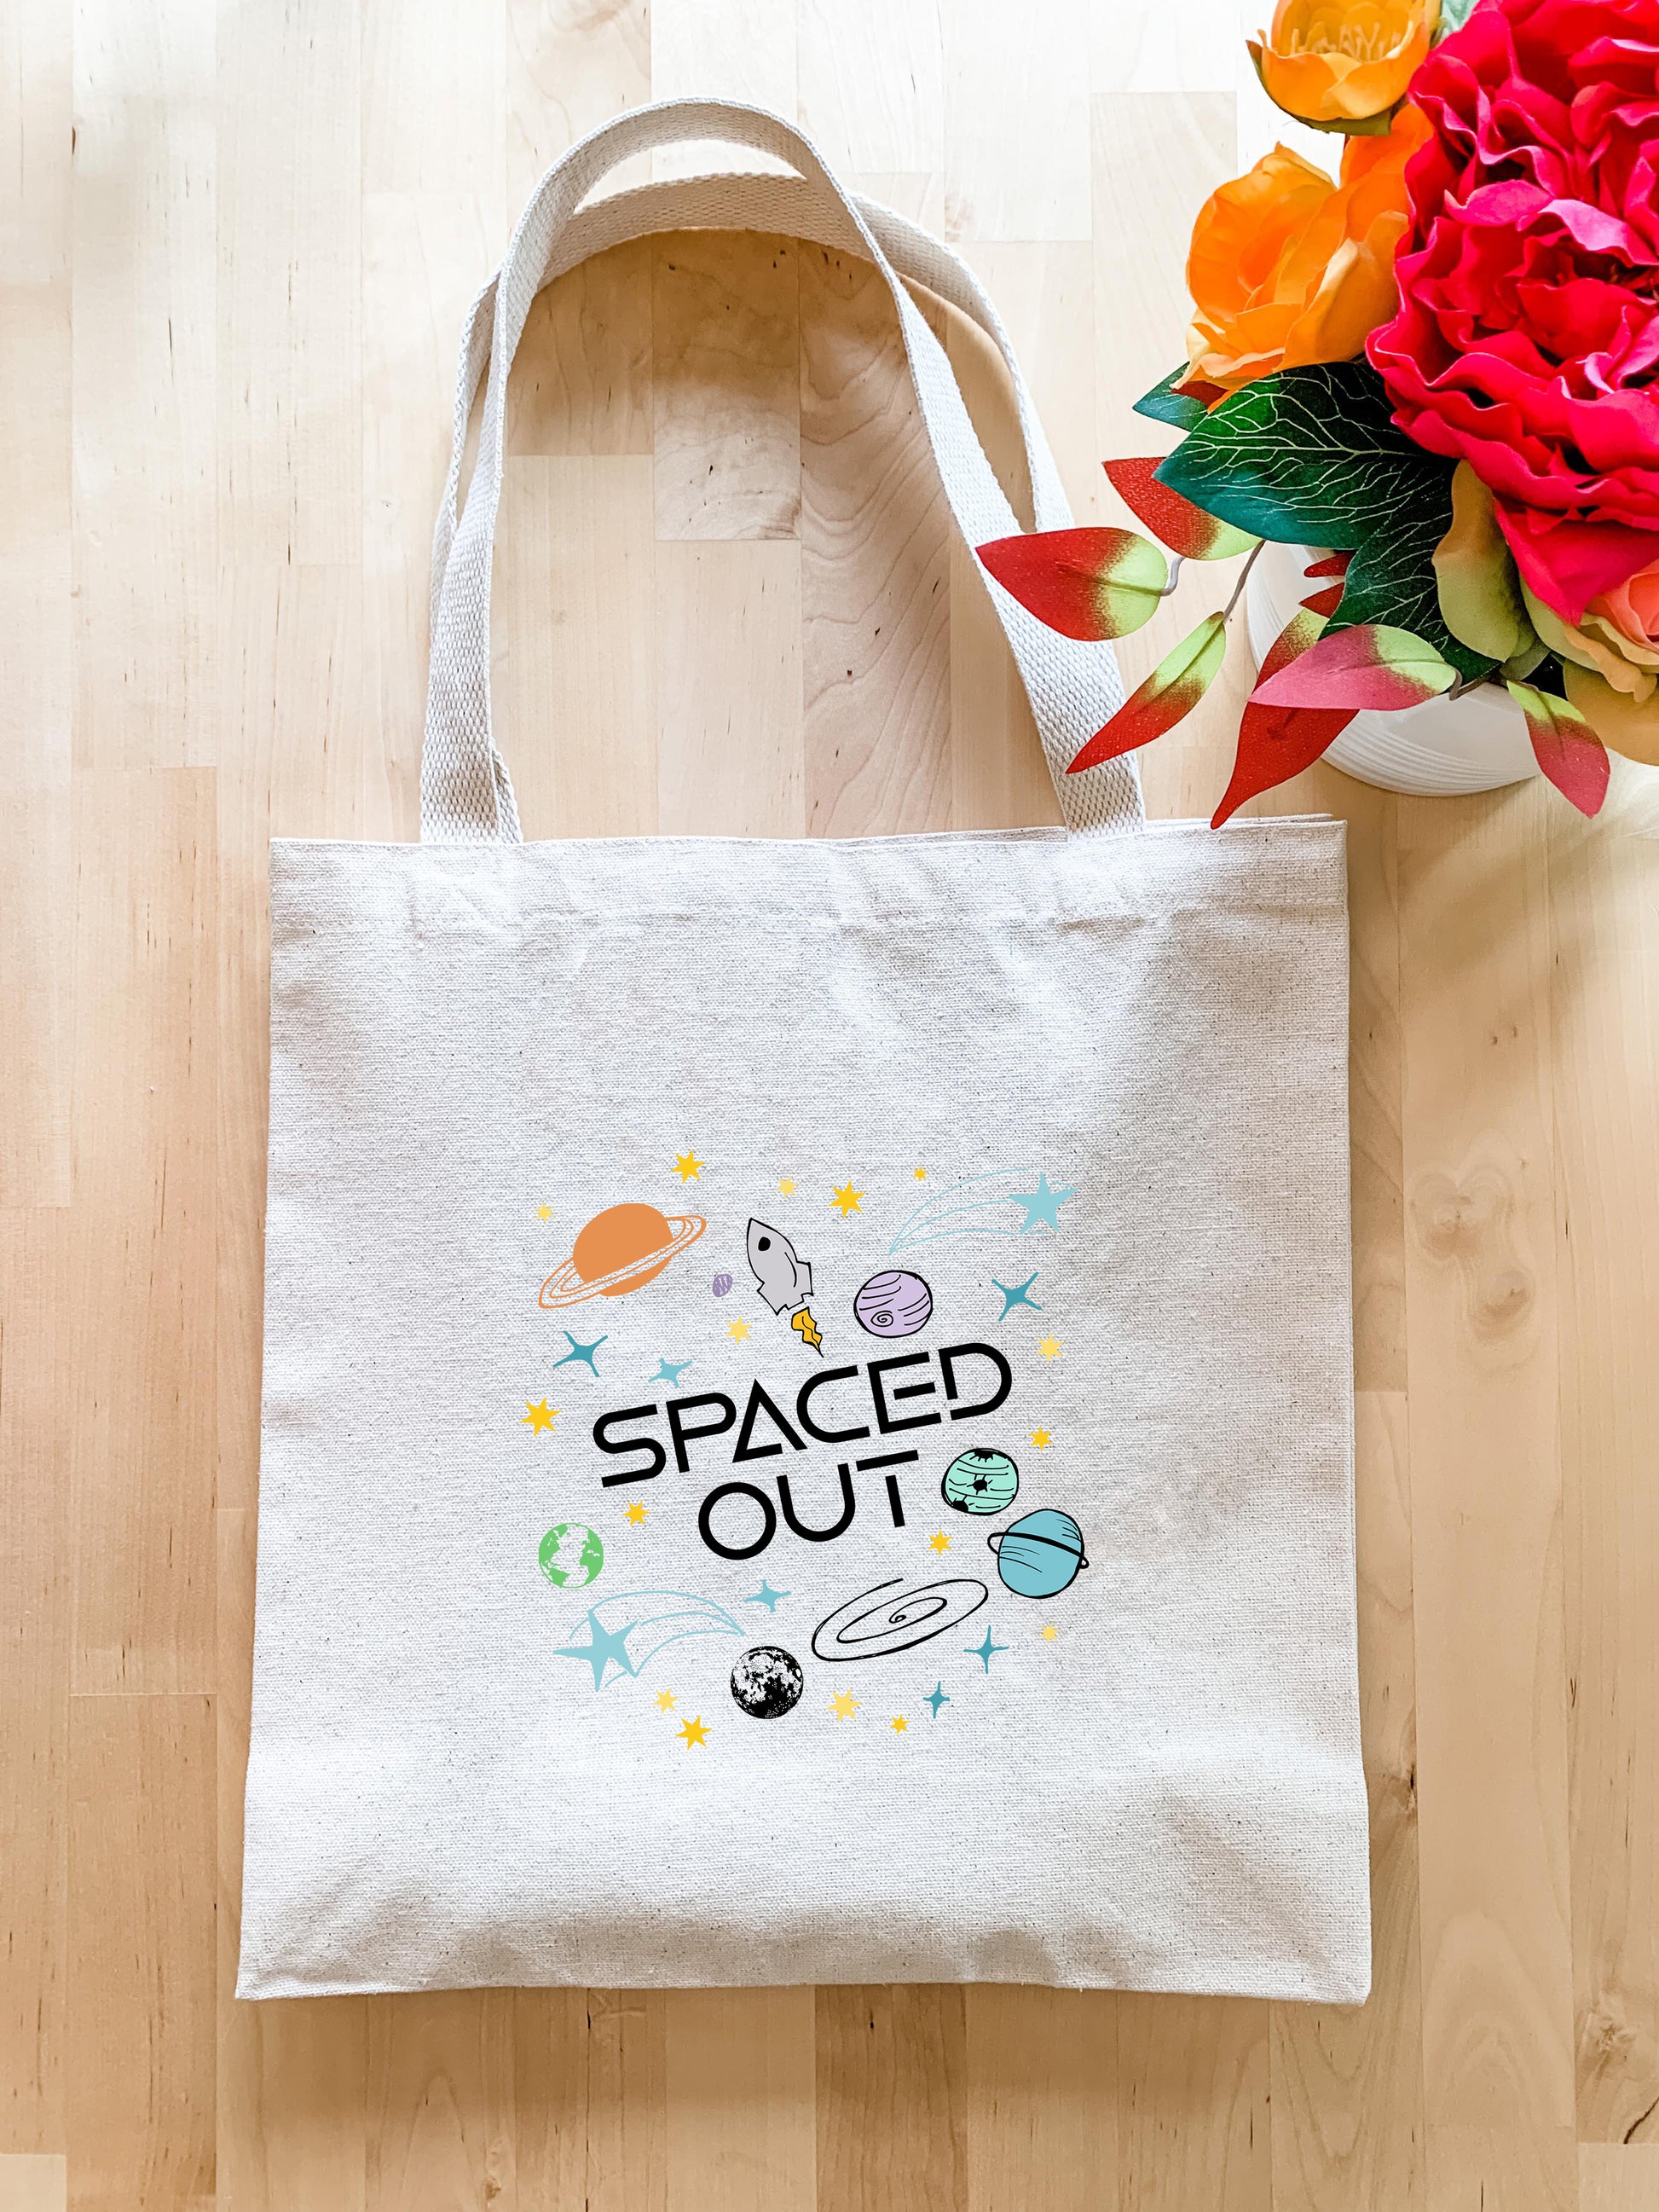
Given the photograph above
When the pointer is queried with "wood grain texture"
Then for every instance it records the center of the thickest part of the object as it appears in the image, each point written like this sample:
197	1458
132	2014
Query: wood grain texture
236	245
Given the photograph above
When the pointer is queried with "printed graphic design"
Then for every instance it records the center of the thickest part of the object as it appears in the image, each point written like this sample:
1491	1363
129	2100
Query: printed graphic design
628	1631
582	1352
619	1250
893	1303
1040	1555
983	1205
1041	1205
784	1279
571	1555
767	1682
982	1481
862	1629
811	1463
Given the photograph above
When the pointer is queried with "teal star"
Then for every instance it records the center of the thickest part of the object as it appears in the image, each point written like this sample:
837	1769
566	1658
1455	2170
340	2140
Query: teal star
766	1595
938	1699
1018	1294
604	1646
985	1651
1041	1205
668	1372
581	1351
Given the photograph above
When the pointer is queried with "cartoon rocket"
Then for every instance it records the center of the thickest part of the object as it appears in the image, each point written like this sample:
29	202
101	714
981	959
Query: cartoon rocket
785	1282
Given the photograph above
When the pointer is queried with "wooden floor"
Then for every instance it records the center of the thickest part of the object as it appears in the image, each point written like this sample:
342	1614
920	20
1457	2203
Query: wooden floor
236	251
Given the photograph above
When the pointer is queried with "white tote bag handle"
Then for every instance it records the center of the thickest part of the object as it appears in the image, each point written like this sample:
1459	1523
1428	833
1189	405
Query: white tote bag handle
467	795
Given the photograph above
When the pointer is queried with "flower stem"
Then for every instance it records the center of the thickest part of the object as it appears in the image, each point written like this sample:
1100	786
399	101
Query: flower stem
1243	578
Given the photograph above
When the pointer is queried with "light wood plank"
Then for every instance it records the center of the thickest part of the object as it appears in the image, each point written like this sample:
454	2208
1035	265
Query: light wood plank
1605	1081
738	2082
1482	1332
725	397
139	2060
33	2181
891	2084
1617	2178
728	640
1004	95
1041	2106
875	537
144	288
139	1305
35	1671
576	679
1193	2110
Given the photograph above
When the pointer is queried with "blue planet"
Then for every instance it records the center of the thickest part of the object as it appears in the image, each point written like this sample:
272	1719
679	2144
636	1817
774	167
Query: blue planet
1039	1554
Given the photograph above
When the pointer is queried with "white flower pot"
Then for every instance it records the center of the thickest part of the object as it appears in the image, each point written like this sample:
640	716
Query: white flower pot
1476	742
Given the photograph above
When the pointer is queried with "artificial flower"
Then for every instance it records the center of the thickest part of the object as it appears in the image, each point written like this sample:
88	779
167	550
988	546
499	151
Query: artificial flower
1527	337
1339	63
1287	268
1617	645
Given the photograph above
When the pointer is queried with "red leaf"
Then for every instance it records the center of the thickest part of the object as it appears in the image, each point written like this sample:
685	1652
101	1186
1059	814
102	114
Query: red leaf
1276	743
1334	564
1565	747
1171	692
1184	528
1373	665
1197	388
1326	602
1088	583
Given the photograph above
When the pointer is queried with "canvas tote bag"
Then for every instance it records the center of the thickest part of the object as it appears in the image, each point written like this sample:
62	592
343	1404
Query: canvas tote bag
807	1426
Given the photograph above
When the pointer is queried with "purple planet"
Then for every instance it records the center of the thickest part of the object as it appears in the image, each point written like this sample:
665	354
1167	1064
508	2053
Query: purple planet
721	1284
893	1303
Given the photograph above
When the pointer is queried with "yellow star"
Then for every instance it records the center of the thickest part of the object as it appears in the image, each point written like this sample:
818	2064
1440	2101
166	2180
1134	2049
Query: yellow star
844	1704
848	1200
1050	1632
537	1418
1049	1347
921	1175
694	1732
939	1543
736	1331
664	1701
899	1723
788	1185
635	1514
1041	1440
687	1165
543	1213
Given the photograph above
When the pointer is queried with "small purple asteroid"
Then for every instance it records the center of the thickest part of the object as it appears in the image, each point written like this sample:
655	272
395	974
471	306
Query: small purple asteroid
893	1303
722	1284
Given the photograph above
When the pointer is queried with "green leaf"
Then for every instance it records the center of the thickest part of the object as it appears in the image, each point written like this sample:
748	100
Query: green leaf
1311	456
1475	579
1454	14
1165	404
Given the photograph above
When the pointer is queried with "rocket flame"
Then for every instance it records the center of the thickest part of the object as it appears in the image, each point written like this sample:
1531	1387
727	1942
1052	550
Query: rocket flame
808	1328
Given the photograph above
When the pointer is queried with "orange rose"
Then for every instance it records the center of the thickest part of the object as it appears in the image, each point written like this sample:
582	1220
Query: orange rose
1338	62
1287	268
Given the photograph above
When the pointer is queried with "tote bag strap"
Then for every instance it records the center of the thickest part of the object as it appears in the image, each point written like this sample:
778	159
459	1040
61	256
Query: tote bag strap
467	795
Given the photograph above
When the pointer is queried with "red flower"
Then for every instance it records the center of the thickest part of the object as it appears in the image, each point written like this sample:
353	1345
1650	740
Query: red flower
1526	340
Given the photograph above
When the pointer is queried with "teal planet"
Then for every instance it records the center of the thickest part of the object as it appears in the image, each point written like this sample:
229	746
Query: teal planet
571	1555
980	1481
1039	1554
